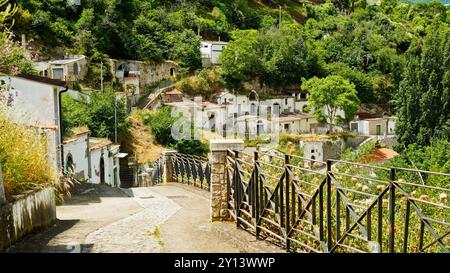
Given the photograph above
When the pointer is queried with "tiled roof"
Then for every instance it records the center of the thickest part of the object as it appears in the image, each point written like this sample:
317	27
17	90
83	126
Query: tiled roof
381	154
97	143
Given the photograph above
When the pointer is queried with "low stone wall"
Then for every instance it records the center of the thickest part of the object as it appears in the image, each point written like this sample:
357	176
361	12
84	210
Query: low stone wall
29	213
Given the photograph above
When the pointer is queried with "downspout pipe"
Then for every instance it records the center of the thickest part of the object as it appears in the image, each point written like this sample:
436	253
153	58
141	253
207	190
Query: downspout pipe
61	126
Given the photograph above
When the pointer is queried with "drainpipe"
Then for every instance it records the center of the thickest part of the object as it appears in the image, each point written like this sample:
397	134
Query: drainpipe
89	156
61	126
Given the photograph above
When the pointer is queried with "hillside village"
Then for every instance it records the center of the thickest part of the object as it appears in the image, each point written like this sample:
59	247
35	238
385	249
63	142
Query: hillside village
113	114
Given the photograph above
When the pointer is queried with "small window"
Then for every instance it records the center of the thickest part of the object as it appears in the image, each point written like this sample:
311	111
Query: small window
286	101
312	151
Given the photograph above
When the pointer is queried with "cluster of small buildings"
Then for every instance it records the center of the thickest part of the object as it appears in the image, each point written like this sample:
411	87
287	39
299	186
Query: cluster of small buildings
133	76
36	102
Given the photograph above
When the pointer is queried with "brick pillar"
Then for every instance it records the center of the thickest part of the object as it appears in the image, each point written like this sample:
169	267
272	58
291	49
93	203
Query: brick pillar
219	148
2	189
168	172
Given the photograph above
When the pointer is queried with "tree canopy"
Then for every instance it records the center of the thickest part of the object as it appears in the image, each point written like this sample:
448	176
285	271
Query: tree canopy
329	95
423	100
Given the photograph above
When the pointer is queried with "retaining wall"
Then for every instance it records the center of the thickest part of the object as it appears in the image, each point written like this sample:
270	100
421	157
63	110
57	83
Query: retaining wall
30	212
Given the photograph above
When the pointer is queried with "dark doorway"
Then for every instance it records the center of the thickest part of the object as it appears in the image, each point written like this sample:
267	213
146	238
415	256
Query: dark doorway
102	170
69	165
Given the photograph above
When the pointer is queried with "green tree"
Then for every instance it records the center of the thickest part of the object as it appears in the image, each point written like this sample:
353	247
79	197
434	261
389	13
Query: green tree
331	93
423	99
13	58
242	58
96	112
160	123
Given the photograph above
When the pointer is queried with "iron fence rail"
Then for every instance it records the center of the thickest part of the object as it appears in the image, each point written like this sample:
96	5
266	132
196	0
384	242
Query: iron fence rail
186	169
337	206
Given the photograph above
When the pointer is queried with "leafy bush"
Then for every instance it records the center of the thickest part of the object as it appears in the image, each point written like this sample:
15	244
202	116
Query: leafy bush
97	113
160	123
192	147
23	158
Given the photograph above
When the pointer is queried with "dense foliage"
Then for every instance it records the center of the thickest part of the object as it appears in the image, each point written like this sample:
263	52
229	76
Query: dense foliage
423	99
161	122
133	29
332	93
96	112
366	44
13	58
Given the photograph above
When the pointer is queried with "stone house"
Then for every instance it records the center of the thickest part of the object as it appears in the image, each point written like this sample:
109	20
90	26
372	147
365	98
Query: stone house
296	123
71	68
136	75
172	96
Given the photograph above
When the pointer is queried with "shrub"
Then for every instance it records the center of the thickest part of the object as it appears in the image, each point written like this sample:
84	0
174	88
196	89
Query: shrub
23	159
192	147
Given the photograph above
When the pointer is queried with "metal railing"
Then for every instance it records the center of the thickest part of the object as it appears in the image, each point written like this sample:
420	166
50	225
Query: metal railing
158	171
338	206
187	169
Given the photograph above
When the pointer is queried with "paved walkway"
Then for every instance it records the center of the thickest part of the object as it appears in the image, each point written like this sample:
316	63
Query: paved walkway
165	218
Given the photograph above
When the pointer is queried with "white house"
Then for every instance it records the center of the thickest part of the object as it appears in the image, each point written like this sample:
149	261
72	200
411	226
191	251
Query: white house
94	160
104	158
36	102
211	51
76	155
374	126
297	123
321	149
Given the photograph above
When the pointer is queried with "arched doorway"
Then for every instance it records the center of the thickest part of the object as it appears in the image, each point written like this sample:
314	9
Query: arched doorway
260	127
69	168
102	170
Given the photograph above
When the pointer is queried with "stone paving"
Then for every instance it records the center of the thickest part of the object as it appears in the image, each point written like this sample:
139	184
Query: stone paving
139	232
164	218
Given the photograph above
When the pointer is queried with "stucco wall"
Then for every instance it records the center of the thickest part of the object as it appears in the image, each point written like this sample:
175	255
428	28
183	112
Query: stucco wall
28	214
109	165
78	150
33	102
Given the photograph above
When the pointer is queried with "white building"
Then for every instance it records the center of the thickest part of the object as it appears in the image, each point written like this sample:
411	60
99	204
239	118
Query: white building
211	51
374	126
104	158
321	150
296	123
36	102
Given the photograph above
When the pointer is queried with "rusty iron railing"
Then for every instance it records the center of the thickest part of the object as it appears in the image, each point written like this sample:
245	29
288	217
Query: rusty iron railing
338	206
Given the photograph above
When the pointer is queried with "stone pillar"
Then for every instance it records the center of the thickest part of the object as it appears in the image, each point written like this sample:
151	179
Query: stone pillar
2	189
168	172
219	148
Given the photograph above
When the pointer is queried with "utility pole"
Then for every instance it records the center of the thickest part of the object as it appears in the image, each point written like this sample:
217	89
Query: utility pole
101	75
279	23
115	120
